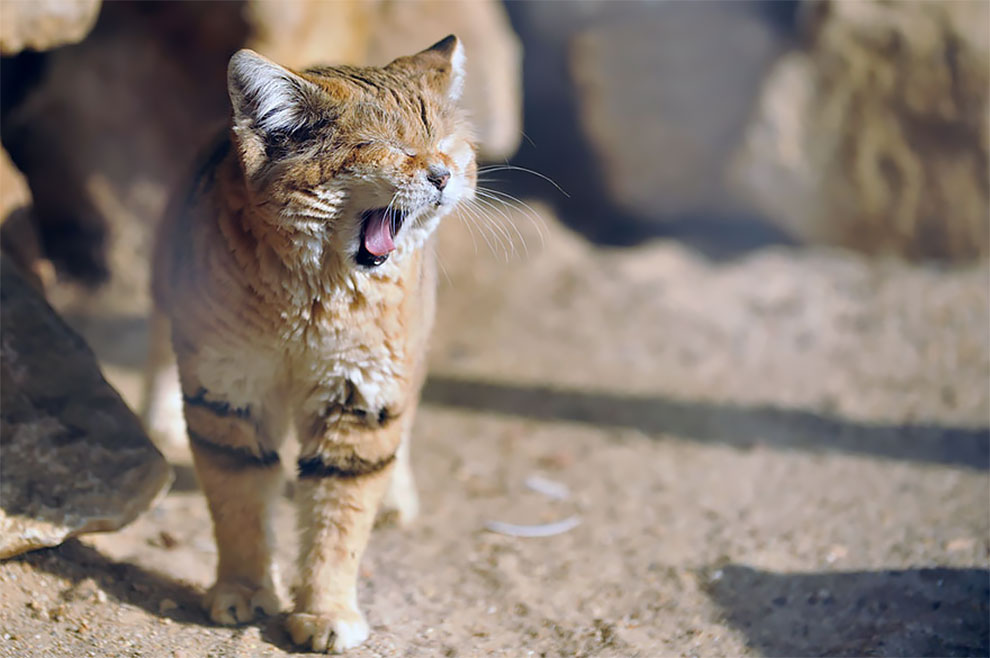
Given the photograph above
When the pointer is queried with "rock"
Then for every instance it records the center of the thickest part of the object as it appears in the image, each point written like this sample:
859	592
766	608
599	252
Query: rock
75	458
14	192
18	234
633	107
113	125
874	134
663	92
44	24
306	32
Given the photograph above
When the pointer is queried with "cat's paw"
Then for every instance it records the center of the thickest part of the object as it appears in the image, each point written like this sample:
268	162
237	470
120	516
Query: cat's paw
233	603
332	632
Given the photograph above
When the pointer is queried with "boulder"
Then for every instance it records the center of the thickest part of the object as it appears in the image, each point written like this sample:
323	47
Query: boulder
663	92
14	192
44	24
112	127
19	238
633	109
301	33
874	133
75	458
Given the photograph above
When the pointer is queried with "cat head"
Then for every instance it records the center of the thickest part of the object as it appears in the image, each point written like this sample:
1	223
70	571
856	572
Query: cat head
370	157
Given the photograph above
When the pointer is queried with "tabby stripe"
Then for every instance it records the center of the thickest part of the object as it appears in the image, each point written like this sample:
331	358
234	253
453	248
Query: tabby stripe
237	455
222	409
346	468
372	420
422	116
359	78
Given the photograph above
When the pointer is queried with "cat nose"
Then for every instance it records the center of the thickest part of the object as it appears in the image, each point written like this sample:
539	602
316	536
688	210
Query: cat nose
438	175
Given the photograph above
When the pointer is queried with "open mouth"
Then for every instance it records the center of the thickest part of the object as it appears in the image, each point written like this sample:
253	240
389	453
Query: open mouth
378	231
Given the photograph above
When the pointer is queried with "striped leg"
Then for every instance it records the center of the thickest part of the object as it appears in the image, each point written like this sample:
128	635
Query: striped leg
241	476
344	469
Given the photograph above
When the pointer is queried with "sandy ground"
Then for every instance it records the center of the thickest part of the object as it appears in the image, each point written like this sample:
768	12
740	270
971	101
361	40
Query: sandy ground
781	454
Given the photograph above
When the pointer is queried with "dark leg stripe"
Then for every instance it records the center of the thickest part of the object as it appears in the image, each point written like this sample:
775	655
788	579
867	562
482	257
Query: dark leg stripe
374	420
235	456
222	409
348	467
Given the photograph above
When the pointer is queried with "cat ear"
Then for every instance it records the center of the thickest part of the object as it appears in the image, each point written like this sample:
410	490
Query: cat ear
442	64
267	97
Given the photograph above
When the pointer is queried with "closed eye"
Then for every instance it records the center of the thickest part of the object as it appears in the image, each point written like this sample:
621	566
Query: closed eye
403	149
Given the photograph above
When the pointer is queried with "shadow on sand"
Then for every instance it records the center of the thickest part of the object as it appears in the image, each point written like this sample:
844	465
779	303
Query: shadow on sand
133	585
912	612
737	426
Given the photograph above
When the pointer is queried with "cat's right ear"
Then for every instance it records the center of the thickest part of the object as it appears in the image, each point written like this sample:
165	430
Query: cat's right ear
268	97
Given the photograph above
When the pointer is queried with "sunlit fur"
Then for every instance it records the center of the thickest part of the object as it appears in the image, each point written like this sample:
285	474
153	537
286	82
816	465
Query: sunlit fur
275	324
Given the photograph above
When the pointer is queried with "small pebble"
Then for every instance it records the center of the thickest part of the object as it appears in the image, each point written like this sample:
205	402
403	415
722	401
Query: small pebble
960	544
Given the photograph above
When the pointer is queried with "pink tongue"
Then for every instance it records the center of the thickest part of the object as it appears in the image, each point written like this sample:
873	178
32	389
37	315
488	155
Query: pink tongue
378	234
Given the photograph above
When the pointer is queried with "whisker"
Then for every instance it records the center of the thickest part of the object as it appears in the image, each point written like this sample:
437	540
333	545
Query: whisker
490	237
486	229
443	268
529	212
486	208
508	167
489	204
389	210
466	223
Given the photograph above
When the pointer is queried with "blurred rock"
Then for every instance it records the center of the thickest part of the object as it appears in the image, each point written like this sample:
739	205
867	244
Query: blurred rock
300	33
663	92
44	24
113	125
632	108
14	192
875	134
75	458
19	238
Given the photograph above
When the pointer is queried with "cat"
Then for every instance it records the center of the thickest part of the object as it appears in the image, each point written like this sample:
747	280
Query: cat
298	279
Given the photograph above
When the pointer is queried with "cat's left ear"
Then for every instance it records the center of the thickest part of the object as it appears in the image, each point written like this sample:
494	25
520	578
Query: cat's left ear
441	65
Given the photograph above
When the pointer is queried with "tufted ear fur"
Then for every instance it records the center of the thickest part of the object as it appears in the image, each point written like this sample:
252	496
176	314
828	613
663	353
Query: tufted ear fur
441	65
267	97
268	101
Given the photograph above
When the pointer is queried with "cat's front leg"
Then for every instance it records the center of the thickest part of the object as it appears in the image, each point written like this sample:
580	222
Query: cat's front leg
344	469
238	468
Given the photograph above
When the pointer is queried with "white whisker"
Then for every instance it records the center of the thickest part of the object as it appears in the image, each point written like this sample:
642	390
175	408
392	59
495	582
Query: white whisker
460	216
528	211
487	202
508	167
486	230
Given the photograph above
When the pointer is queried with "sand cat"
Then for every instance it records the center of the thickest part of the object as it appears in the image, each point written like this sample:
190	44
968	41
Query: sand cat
298	277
